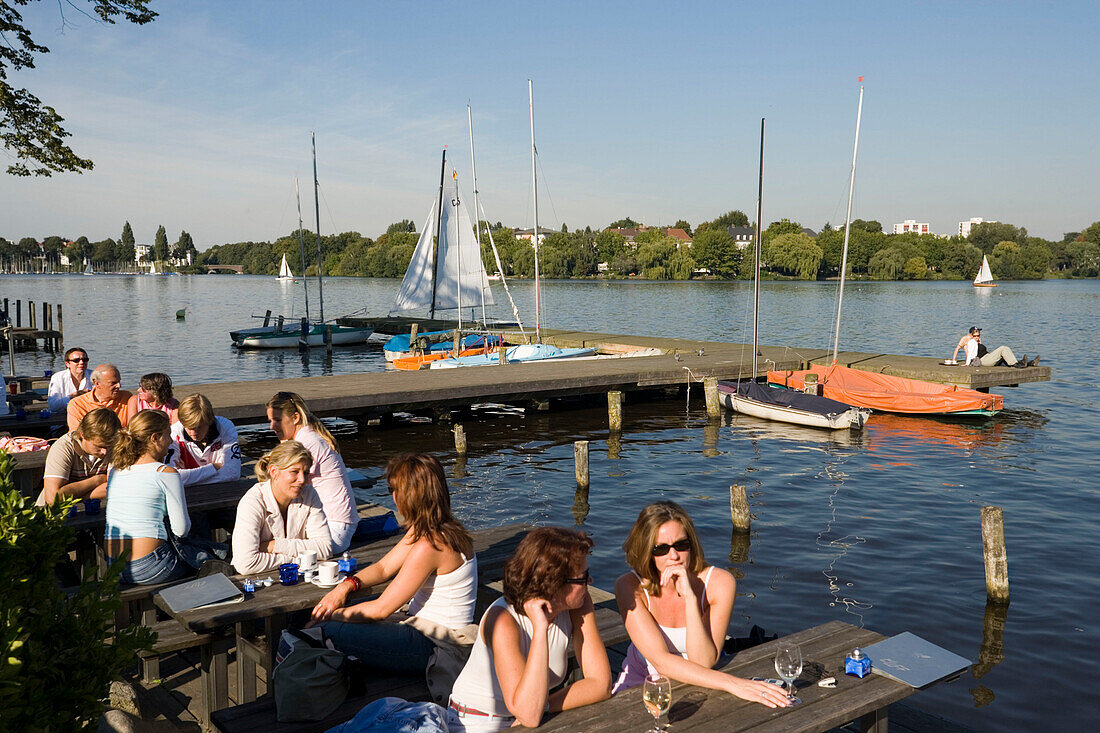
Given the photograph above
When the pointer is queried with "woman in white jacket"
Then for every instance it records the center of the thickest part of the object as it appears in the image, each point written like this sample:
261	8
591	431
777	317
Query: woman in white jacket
281	516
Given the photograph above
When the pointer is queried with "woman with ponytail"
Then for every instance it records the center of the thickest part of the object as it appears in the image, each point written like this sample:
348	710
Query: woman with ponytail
281	516
141	492
291	420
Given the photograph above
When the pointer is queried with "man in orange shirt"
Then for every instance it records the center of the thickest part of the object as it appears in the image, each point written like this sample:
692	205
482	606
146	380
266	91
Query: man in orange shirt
105	392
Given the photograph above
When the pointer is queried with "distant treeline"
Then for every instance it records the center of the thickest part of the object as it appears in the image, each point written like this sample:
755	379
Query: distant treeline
789	252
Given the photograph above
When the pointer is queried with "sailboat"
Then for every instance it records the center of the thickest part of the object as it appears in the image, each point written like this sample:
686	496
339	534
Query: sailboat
882	392
317	333
776	403
285	273
984	278
88	268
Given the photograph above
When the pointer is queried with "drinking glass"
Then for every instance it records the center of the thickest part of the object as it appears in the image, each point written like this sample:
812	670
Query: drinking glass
657	696
788	665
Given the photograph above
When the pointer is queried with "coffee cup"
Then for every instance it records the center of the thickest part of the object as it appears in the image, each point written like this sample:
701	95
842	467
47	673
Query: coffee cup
307	559
288	573
327	573
91	506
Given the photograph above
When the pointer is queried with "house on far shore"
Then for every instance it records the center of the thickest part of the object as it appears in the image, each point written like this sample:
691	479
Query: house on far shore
742	236
529	234
964	226
683	239
912	225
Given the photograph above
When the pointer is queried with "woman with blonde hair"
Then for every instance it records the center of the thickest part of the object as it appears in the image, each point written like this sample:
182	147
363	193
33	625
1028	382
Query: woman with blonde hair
433	568
677	608
290	419
281	516
522	646
141	492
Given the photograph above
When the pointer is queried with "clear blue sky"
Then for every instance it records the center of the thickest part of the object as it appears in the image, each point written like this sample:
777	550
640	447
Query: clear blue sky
199	120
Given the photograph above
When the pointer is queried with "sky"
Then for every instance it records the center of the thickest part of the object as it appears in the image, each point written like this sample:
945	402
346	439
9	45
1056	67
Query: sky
200	120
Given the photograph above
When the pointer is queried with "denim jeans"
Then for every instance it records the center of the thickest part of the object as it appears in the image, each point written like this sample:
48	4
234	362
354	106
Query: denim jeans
195	550
159	566
386	646
394	715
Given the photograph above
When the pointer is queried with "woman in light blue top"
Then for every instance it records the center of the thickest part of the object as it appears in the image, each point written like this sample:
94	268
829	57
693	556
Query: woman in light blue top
141	492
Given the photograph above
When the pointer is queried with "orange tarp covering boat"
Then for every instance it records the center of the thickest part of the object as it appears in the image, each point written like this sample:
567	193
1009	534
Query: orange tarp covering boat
891	394
412	363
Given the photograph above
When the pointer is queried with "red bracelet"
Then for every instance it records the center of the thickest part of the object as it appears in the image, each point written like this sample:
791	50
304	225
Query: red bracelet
356	585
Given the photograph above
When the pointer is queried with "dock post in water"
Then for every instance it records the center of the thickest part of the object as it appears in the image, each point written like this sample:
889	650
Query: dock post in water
710	390
18	313
60	330
267	318
328	338
303	335
995	553
615	411
460	440
32	321
51	342
739	508
580	461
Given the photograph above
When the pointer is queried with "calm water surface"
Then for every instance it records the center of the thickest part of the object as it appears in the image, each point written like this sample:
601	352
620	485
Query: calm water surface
880	529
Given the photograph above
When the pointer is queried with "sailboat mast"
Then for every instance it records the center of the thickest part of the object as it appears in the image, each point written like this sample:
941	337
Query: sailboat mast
438	224
756	266
302	245
477	215
317	215
455	203
535	191
847	226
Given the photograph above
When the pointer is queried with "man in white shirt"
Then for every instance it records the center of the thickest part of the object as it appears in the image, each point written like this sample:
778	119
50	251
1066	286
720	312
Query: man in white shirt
204	447
74	379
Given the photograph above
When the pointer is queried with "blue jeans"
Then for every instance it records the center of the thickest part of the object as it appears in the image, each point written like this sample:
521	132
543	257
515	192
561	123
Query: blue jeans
394	715
385	646
159	566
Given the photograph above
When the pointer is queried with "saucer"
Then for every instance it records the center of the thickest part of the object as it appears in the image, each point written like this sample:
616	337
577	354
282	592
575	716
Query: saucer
949	362
317	582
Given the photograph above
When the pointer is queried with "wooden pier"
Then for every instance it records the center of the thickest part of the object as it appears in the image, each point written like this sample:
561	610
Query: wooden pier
534	385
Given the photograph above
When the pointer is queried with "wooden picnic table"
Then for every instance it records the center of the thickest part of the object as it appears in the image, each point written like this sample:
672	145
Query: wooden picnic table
27	473
270	606
695	708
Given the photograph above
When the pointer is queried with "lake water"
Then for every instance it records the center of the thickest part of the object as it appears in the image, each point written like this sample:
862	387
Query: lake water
880	529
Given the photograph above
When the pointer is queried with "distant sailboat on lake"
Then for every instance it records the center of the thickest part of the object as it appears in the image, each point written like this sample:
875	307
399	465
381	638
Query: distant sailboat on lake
285	273
984	278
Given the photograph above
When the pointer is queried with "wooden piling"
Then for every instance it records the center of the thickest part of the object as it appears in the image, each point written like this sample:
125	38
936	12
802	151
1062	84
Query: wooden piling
303	334
60	330
460	439
995	554
51	343
710	391
279	325
18	313
32	320
328	338
615	411
580	461
503	350
267	318
739	508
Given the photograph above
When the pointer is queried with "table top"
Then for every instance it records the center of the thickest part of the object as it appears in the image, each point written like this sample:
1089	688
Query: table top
493	547
695	708
200	498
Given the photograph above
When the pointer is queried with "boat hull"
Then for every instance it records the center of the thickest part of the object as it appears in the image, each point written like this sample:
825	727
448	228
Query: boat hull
289	336
852	418
399	346
515	354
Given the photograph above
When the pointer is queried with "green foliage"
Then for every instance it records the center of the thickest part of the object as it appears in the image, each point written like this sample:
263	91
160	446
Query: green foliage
783	226
626	223
1084	258
714	249
55	663
609	245
870	226
682	224
887	264
792	253
916	269
988	234
127	235
680	265
160	245
30	129
1092	233
404	226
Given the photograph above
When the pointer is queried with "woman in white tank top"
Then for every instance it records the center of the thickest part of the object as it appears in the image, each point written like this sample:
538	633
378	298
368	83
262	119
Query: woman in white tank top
433	569
676	608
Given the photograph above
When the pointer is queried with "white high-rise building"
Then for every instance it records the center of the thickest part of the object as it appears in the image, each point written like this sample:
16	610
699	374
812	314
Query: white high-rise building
964	226
911	225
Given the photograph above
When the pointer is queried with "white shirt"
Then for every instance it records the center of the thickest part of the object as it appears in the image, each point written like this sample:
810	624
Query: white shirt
61	389
260	520
196	464
329	477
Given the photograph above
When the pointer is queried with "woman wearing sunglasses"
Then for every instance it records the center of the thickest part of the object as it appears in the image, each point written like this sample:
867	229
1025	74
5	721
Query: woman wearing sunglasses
522	650
676	608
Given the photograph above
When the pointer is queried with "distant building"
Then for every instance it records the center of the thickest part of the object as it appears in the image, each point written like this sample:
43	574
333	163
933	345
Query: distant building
682	238
911	225
529	234
964	226
742	236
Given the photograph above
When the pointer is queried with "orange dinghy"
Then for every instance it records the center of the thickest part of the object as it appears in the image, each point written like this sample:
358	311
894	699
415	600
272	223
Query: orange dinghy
885	393
412	363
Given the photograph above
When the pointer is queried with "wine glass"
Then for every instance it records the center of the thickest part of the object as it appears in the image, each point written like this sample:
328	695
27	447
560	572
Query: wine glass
657	696
788	665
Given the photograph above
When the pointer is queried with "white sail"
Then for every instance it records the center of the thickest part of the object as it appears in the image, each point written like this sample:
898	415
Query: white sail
984	275
284	270
457	264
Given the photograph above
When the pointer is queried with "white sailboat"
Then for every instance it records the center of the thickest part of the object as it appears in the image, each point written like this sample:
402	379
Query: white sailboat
774	403
984	278
285	273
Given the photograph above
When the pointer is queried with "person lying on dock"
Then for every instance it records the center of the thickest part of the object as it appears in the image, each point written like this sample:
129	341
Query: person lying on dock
281	516
290	419
978	355
106	392
522	647
141	493
77	462
677	608
154	393
204	445
73	380
433	569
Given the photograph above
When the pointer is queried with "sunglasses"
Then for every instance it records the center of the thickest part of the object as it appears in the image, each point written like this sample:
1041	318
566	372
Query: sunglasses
679	545
583	580
83	361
